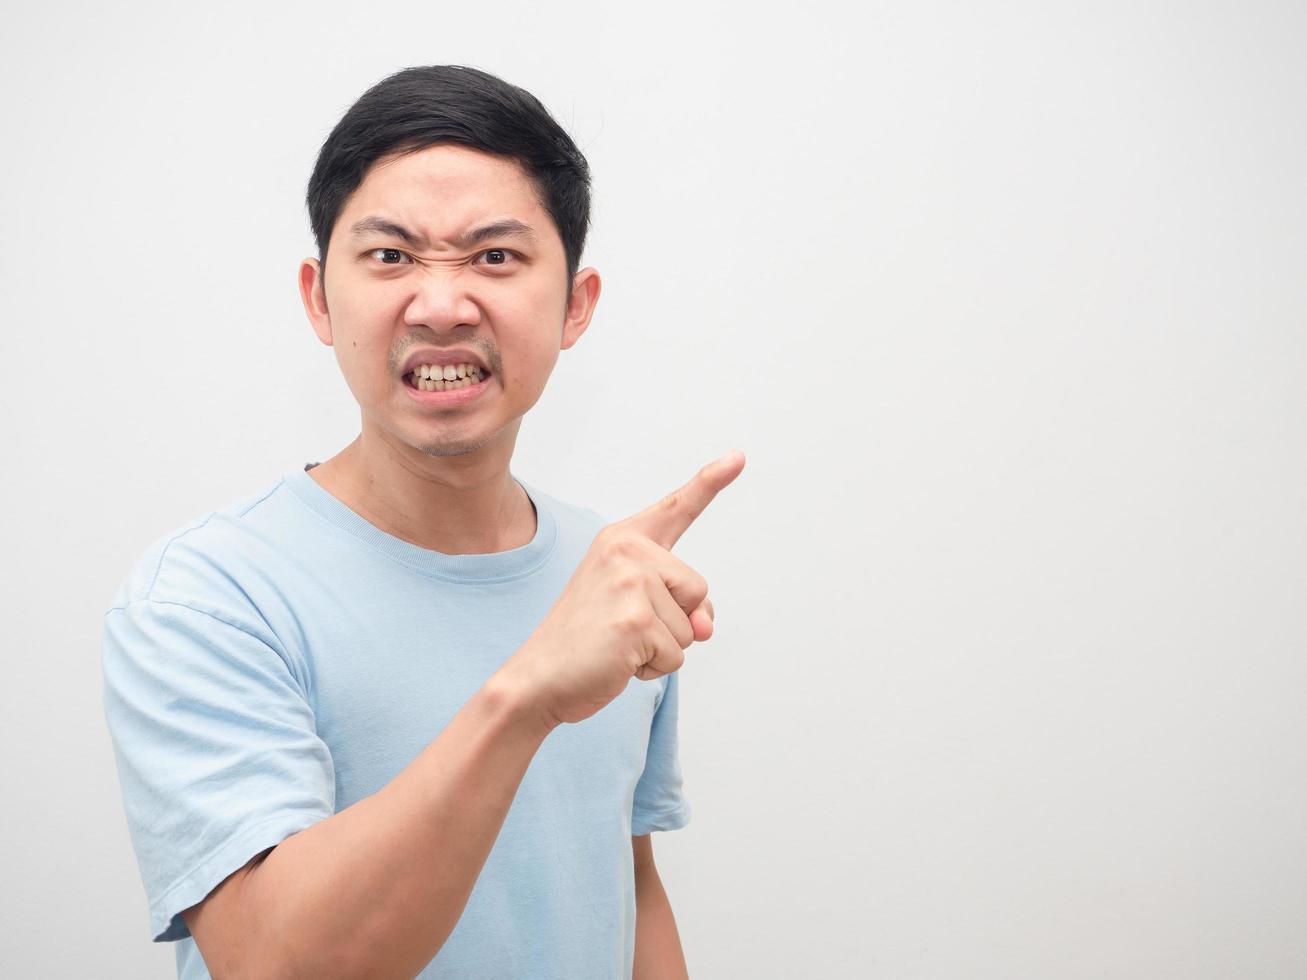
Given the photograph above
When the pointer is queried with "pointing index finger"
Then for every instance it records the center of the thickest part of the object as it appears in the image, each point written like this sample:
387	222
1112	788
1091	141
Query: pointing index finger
667	520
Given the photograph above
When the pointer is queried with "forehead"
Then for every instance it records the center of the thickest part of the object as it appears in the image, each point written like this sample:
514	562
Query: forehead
443	189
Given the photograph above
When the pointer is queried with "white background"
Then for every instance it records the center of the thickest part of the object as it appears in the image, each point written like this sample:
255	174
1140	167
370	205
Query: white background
1006	307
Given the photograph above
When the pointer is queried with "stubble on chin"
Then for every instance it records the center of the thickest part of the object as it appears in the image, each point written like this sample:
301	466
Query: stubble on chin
452	447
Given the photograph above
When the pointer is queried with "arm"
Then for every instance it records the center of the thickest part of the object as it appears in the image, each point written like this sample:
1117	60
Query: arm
658	954
376	889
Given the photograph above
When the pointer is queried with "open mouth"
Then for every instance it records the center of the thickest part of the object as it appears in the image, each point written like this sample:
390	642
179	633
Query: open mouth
449	377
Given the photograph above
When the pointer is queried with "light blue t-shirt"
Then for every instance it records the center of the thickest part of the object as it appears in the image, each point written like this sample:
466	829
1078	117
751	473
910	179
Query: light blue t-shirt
276	661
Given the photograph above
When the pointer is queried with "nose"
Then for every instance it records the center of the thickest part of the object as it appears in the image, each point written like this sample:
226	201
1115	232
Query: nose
442	301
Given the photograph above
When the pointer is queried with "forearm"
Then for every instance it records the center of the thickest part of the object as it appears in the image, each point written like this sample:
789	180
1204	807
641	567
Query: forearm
658	954
375	890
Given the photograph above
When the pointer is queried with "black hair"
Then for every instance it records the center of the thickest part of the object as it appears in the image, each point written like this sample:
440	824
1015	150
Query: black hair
417	107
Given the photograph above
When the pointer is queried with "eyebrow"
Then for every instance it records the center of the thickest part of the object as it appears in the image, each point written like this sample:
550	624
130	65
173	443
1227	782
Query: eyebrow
507	228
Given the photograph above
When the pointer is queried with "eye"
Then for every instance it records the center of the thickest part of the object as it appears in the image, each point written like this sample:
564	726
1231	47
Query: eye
498	256
388	254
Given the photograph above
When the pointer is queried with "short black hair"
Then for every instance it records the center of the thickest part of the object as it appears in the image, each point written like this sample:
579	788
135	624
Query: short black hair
417	107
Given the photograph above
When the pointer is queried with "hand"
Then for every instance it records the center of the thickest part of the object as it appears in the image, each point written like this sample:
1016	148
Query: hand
629	610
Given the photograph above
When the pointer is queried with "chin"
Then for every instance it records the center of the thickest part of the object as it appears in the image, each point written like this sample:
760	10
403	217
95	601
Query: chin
452	443
451	447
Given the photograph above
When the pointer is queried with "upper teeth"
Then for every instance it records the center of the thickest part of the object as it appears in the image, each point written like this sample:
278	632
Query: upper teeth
447	372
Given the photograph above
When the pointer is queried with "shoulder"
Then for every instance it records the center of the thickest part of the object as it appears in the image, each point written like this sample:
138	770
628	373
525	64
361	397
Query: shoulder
195	559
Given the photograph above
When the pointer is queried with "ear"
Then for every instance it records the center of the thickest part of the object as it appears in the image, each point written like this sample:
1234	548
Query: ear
581	307
315	299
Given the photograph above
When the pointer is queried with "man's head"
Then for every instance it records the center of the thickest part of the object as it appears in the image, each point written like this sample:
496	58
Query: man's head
418	107
404	189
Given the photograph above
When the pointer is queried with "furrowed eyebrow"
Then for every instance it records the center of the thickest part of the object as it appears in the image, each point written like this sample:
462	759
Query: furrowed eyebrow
374	224
508	228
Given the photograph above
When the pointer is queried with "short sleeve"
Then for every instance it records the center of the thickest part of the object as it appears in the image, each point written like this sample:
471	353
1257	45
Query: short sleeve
217	752
660	802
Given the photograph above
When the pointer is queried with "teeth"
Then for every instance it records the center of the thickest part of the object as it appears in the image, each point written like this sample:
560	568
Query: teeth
435	377
447	372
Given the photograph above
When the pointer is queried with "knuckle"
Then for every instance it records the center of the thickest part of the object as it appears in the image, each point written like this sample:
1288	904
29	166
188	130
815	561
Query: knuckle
628	546
629	578
634	619
699	588
619	542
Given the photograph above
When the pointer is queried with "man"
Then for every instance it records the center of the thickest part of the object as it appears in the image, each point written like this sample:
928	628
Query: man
400	713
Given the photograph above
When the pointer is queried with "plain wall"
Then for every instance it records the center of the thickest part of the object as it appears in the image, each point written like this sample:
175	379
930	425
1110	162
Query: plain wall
1006	305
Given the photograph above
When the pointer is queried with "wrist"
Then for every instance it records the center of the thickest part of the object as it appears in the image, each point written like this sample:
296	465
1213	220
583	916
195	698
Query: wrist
513	693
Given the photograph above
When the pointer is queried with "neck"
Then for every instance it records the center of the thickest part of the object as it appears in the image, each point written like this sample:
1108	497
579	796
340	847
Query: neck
465	504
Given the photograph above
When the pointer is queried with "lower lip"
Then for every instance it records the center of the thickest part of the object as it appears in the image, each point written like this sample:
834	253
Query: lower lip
449	397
